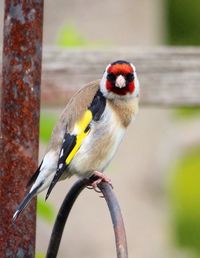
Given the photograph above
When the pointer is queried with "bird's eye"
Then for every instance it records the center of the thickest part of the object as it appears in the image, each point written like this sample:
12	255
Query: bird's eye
111	77
129	77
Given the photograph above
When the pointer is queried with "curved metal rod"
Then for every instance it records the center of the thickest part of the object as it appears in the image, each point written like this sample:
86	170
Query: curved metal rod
117	220
119	230
62	216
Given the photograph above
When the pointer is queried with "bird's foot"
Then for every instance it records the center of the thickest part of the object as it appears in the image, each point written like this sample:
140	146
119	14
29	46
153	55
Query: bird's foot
100	178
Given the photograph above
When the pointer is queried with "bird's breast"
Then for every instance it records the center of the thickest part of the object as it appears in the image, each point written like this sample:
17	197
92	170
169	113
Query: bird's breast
99	147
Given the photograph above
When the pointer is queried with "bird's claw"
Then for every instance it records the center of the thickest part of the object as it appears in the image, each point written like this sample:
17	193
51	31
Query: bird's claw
100	178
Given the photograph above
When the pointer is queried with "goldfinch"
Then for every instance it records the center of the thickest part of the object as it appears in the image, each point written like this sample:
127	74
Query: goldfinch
89	130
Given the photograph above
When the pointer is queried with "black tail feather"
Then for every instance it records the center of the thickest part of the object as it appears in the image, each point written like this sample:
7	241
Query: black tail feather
34	176
55	180
28	197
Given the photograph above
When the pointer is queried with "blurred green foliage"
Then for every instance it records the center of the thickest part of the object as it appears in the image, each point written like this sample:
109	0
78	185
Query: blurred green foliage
70	37
39	255
187	112
184	192
183	28
47	123
183	22
45	210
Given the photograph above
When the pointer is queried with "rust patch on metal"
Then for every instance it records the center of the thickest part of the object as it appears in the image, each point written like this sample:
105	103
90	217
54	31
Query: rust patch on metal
20	103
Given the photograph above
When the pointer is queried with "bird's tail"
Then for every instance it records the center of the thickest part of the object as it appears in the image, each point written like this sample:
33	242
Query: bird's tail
28	197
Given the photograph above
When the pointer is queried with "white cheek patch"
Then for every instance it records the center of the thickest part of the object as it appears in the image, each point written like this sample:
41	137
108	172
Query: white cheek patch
103	82
137	84
134	69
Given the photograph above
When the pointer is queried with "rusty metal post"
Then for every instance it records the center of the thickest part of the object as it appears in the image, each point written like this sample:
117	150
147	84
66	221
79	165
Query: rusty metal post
20	103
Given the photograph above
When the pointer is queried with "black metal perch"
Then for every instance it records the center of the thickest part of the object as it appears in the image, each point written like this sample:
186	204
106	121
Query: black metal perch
115	212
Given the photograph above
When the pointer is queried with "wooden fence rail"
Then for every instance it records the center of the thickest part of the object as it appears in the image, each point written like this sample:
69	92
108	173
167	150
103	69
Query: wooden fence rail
169	76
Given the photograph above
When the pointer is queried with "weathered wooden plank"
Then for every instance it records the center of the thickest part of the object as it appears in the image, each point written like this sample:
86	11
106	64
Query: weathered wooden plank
169	76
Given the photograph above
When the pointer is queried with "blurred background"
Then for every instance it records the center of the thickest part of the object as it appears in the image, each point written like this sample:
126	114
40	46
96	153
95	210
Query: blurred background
156	172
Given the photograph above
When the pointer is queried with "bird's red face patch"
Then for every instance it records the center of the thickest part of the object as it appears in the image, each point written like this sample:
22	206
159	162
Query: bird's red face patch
120	69
117	69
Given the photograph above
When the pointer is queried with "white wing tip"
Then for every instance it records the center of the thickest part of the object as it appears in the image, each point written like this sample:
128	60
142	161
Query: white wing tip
15	215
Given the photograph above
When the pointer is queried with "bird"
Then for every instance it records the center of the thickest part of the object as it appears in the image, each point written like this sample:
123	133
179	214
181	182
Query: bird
89	131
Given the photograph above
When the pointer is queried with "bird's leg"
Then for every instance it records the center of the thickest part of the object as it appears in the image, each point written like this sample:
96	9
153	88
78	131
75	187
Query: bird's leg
100	178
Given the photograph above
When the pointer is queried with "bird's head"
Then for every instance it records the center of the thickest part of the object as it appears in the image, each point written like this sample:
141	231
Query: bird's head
120	80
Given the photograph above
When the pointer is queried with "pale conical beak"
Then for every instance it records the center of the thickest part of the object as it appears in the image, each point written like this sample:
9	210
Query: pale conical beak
120	81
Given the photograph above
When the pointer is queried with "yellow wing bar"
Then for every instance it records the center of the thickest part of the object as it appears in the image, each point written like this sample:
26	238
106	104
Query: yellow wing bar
80	128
